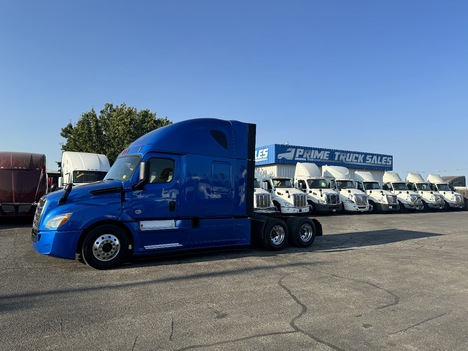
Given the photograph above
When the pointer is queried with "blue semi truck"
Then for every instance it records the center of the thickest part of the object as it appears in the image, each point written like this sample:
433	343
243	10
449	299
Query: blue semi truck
185	186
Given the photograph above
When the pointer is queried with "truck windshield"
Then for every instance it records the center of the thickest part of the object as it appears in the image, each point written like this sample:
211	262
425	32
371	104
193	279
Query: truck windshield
400	186
123	168
88	176
372	186
317	183
282	183
443	187
423	186
345	184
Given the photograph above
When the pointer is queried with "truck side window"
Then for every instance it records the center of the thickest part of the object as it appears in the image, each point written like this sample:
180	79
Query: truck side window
161	170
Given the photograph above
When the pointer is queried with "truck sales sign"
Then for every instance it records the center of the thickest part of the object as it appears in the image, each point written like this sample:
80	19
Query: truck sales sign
288	154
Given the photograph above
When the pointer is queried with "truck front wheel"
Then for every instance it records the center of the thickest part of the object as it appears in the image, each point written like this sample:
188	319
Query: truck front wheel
301	231
275	234
105	247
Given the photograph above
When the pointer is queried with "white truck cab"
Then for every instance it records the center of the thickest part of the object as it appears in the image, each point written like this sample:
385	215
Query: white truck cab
453	200
81	168
353	199
320	198
431	199
286	198
262	199
380	199
407	199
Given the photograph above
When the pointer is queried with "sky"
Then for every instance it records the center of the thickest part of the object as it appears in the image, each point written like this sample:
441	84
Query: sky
388	77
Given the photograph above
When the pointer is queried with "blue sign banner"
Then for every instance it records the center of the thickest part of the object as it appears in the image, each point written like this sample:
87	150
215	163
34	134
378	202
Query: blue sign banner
288	154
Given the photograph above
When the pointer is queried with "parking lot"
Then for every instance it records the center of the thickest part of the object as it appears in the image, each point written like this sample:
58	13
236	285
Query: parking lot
371	282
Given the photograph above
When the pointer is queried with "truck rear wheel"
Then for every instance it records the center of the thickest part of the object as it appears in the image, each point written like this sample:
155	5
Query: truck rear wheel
105	247
302	231
275	234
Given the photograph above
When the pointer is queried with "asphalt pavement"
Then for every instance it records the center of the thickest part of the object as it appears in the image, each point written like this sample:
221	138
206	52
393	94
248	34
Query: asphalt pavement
371	282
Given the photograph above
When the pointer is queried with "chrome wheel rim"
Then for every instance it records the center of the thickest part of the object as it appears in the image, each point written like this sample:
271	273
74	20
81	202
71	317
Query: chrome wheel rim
106	247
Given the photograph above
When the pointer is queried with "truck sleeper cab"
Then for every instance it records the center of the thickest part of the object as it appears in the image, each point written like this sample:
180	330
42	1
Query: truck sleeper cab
184	186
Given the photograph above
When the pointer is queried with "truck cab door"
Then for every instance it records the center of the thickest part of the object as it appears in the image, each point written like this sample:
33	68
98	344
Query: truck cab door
154	207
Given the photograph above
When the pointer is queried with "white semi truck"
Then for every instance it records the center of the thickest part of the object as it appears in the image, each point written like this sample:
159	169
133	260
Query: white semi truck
453	200
353	199
408	200
380	199
81	168
320	198
286	198
432	200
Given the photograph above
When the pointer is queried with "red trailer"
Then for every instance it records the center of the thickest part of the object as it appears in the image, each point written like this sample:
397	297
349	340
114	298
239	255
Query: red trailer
23	180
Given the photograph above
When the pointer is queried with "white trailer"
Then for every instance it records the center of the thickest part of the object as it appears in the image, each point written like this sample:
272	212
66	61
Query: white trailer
81	168
286	198
453	200
320	197
353	199
380	199
431	199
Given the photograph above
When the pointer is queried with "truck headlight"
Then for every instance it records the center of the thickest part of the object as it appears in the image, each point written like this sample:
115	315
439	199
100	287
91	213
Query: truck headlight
57	221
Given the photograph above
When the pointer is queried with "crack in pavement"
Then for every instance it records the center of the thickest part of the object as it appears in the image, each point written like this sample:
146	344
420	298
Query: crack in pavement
419	323
301	313
396	298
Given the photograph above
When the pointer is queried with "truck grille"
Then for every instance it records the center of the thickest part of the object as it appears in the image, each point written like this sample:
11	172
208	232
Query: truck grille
416	199
459	199
262	200
439	199
333	199
300	200
38	213
361	200
392	199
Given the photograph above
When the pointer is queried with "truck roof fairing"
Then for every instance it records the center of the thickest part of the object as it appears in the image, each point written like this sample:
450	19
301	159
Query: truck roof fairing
203	136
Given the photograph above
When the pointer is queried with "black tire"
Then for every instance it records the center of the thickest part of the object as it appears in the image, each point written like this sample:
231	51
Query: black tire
402	207
302	231
105	247
446	206
311	207
426	206
275	234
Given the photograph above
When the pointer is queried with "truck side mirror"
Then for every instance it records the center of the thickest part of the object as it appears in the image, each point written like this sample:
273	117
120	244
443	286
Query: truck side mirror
143	171
143	176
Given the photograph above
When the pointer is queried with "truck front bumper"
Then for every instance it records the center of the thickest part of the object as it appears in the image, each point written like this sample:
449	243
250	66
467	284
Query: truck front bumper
386	207
294	210
327	208
56	243
456	205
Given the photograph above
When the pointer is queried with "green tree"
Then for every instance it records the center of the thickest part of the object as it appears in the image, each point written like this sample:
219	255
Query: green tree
110	132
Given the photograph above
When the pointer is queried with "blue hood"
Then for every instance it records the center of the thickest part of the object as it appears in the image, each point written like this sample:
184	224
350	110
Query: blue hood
86	192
